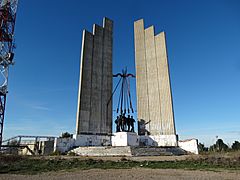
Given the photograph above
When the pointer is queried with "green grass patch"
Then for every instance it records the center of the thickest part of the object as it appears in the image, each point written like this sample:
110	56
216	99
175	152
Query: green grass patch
31	165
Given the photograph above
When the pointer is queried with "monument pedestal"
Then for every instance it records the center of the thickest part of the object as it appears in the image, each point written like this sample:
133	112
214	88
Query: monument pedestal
92	140
159	140
125	139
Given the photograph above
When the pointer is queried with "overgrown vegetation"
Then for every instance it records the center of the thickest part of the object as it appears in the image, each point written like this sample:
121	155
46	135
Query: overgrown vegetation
35	165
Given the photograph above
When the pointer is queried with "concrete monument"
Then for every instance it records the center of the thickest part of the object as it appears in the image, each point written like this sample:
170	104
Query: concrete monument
154	99
94	113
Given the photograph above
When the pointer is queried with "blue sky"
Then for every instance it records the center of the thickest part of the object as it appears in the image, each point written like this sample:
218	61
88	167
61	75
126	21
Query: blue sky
203	48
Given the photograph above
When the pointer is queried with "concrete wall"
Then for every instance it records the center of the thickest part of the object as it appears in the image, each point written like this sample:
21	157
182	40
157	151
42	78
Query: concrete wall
190	145
159	140
154	99
94	113
66	144
92	140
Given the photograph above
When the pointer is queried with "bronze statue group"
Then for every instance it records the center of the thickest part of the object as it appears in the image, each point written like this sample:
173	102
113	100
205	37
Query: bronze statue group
124	124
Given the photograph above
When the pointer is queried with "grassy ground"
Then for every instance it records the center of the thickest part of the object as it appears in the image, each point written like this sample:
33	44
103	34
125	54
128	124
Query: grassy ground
34	165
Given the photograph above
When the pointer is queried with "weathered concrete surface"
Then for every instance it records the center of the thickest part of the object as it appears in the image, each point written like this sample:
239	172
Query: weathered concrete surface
67	144
92	140
85	80
96	88
159	140
153	83
164	85
141	71
154	99
94	113
106	125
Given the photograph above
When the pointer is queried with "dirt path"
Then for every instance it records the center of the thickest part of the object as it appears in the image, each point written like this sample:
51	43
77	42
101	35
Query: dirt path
122	174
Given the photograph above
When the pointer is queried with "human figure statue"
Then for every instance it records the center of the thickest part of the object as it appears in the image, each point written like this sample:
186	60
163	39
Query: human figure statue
117	124
120	123
132	121
123	123
128	121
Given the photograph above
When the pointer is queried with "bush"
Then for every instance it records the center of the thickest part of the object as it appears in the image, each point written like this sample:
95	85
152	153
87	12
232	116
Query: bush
236	146
66	135
220	146
202	148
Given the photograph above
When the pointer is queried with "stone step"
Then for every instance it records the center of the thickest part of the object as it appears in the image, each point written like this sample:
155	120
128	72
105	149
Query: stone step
103	151
157	151
128	151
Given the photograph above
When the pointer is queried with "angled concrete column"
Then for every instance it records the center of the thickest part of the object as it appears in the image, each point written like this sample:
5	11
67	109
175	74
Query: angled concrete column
141	71
165	87
84	95
106	125
153	83
154	99
94	115
96	89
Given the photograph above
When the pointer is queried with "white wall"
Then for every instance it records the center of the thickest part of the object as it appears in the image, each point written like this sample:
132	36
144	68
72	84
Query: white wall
92	140
159	140
66	144
125	139
63	144
190	145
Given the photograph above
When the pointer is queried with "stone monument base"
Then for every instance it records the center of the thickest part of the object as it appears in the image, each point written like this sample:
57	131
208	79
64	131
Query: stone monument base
159	140
92	140
125	139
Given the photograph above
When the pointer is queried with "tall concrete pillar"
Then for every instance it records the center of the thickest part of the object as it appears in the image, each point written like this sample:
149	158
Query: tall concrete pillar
85	80
154	98
168	124
94	113
141	71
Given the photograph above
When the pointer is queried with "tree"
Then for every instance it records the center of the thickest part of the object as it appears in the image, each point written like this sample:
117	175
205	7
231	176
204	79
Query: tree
220	146
66	135
202	148
236	146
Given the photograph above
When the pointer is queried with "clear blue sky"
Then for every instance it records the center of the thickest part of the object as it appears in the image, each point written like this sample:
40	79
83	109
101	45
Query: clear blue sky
203	39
